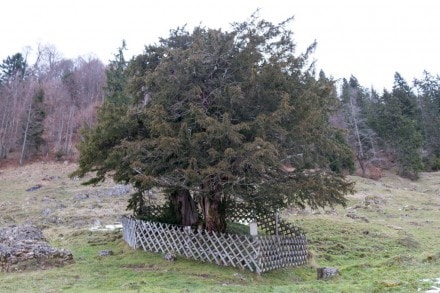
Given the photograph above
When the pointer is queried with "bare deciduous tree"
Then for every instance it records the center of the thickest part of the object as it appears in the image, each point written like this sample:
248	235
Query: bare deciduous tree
73	90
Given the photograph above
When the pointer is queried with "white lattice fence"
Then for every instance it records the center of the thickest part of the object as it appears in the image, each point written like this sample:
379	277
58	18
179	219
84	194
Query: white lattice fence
129	232
282	251
259	254
267	221
222	249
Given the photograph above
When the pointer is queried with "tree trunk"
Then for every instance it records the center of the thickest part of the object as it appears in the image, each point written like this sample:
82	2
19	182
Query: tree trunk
213	213
184	207
69	131
361	164
59	142
26	131
360	150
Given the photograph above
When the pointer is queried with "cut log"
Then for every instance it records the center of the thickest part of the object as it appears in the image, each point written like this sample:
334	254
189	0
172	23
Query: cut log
327	273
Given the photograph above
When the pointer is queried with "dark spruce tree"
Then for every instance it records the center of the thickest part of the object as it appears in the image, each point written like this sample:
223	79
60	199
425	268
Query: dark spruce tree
98	146
33	126
428	100
395	120
13	68
115	89
223	116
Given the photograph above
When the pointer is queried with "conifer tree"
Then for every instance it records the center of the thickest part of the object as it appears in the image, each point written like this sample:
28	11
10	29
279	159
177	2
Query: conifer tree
116	79
428	100
225	116
12	68
98	143
15	93
396	122
33	126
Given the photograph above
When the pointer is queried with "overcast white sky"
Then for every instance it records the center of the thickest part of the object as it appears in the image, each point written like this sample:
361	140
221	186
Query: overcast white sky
370	39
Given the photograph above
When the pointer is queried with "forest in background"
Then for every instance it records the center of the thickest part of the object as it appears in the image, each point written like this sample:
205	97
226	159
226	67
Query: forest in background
396	128
44	105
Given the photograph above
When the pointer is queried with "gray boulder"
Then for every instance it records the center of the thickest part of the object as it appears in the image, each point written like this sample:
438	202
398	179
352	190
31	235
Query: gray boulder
25	248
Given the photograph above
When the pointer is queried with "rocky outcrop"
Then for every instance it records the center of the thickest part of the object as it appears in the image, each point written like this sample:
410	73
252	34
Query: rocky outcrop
25	248
117	190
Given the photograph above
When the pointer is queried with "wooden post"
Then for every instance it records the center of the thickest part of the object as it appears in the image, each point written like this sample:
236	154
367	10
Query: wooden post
253	228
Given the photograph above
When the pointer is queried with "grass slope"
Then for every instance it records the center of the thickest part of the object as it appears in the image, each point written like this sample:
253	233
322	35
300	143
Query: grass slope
386	240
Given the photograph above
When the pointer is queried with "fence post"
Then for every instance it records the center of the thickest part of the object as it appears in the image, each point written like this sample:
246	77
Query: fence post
136	238
276	225
258	256
187	250
253	228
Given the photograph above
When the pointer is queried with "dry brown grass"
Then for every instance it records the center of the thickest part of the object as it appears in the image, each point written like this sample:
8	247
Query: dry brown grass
58	204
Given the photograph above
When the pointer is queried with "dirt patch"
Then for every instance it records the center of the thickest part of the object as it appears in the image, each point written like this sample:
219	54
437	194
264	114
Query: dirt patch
401	260
142	267
408	242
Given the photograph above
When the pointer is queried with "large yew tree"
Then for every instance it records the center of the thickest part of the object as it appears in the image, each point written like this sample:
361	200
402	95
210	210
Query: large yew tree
222	116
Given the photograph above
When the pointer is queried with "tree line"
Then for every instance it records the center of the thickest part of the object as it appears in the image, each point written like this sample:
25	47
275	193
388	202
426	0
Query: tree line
44	104
399	128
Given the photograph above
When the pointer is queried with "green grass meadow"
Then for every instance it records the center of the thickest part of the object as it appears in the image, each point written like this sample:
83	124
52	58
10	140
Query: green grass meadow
387	239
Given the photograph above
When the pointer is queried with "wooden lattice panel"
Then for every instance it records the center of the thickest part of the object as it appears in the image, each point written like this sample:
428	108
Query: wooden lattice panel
259	254
223	249
152	212
282	251
266	220
129	231
241	213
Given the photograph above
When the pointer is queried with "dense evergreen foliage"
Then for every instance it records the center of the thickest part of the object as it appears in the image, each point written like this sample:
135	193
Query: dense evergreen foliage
33	126
13	67
428	89
223	116
113	124
395	120
398	128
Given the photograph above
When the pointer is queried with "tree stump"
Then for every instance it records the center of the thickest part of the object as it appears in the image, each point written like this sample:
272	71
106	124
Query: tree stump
327	273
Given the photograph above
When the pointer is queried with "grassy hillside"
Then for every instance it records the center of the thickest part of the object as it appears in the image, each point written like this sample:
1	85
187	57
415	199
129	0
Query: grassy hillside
386	239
